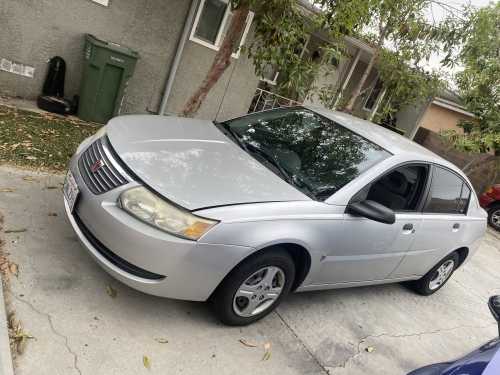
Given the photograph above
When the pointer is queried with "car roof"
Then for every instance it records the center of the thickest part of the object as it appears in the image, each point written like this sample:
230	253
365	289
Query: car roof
391	141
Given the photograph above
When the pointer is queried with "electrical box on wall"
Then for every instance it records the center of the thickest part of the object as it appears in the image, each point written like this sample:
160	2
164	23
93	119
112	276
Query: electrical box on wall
16	68
101	2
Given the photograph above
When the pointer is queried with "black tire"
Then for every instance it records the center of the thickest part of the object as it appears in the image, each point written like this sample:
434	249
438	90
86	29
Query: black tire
422	286
222	299
492	212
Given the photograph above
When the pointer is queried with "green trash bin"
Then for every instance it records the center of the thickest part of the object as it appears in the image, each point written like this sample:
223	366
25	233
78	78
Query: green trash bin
106	72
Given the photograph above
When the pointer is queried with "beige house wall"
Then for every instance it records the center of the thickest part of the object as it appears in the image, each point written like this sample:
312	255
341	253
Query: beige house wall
437	118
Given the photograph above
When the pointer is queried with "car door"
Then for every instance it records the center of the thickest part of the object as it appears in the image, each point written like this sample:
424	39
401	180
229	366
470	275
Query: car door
444	224
369	250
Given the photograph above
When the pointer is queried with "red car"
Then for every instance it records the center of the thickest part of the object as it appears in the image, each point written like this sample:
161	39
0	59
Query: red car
490	201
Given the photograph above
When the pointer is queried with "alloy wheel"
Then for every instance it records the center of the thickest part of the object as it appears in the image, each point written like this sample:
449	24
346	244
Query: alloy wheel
495	218
259	291
442	274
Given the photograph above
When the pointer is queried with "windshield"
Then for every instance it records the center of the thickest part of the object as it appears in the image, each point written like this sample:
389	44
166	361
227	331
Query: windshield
316	155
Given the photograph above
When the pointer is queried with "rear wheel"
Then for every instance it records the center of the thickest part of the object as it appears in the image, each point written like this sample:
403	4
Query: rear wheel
254	288
437	277
494	217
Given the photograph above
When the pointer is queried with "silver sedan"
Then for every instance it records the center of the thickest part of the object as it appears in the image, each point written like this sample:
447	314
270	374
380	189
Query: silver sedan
243	212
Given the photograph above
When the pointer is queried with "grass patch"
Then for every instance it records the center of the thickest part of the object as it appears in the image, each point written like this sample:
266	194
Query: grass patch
42	141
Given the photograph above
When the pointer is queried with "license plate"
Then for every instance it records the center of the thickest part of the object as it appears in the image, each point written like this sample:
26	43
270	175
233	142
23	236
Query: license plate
70	190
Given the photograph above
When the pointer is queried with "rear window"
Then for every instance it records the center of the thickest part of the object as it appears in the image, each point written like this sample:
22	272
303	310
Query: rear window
315	154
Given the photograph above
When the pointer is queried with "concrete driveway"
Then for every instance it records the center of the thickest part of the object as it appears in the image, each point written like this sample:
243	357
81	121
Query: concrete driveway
60	296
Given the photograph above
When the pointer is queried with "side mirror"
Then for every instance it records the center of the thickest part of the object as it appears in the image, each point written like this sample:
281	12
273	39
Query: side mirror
494	305
373	211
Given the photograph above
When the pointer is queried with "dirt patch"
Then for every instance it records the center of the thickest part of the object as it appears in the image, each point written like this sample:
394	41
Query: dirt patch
40	140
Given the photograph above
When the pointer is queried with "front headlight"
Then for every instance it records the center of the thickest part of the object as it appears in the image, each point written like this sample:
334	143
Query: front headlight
153	210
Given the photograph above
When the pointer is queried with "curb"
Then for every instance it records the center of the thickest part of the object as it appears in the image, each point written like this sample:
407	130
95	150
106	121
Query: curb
6	367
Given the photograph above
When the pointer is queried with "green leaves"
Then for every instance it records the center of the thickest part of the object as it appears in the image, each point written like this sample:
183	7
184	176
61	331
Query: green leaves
405	83
282	32
479	81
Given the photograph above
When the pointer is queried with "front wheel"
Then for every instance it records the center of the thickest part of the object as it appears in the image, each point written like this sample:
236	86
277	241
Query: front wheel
254	288
494	217
435	279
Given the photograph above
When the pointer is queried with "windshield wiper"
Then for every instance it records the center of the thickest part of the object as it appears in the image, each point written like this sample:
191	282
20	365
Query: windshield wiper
325	192
271	160
232	134
250	148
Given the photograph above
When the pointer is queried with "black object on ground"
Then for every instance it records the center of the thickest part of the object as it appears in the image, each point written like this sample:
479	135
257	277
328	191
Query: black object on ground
54	82
52	98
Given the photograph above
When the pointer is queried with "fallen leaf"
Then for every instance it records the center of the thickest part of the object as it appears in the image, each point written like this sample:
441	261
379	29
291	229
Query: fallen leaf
161	340
370	349
29	178
21	345
246	343
16	230
14	269
267	353
146	362
18	337
6	190
111	291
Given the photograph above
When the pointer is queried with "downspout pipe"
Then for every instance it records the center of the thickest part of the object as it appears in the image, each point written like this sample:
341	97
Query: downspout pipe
178	56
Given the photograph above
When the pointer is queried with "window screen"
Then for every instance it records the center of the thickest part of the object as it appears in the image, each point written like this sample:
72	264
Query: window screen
210	20
448	194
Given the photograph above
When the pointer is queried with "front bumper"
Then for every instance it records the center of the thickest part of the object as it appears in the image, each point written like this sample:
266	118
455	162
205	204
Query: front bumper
144	257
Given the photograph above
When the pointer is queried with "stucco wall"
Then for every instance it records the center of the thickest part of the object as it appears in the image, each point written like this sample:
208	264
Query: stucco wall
409	116
32	31
232	94
437	118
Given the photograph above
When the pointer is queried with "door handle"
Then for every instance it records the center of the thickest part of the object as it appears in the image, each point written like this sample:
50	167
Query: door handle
408	227
456	226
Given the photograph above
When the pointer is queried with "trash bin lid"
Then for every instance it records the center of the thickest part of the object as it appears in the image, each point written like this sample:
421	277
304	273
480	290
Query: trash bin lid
115	47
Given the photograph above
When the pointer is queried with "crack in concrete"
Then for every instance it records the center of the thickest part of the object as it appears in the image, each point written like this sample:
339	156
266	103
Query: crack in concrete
472	292
51	324
311	354
390	335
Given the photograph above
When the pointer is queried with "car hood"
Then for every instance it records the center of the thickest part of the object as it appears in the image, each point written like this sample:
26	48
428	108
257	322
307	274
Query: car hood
193	164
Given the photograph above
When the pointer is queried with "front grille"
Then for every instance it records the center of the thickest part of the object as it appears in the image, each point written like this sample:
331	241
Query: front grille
112	257
106	177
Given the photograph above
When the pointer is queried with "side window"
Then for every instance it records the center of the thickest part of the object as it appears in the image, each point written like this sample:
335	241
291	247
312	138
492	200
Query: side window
399	190
448	194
